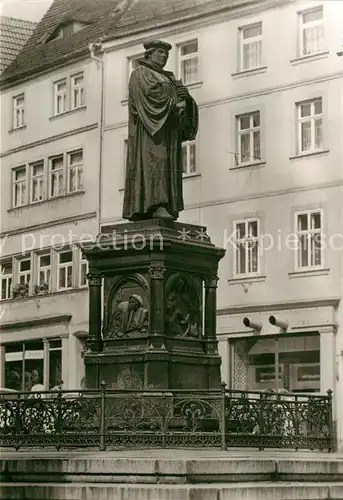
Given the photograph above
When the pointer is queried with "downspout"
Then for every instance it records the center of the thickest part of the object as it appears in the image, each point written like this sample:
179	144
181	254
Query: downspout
97	48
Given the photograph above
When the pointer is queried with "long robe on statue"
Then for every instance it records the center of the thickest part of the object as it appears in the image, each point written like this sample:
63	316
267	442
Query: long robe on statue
154	164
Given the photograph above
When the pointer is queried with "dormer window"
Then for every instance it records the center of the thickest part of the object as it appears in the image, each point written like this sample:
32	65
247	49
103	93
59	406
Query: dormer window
67	29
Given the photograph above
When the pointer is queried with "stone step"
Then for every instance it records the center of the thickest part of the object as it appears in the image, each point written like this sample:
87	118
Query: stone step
238	491
106	469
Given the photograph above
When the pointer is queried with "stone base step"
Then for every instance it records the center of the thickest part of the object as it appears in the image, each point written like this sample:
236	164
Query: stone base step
238	491
178	470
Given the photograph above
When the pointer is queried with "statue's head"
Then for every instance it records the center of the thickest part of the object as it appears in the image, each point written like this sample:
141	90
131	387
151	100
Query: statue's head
157	52
135	302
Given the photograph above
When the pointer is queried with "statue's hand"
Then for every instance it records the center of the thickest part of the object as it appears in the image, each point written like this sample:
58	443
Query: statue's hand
182	92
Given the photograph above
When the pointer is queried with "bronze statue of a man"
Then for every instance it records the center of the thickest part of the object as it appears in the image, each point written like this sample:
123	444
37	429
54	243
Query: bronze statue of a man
162	115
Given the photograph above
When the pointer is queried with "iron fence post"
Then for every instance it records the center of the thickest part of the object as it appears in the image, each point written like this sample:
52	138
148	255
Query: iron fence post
261	407
330	422
59	420
223	416
102	443
17	423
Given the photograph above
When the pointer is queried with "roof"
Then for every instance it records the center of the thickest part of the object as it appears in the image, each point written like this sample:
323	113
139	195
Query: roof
14	33
106	21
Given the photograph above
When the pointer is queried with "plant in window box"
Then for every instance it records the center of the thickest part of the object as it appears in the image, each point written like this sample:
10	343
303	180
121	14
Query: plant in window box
41	289
20	290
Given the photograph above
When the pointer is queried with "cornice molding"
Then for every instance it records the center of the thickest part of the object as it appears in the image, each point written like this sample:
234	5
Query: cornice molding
33	322
280	306
52	138
266	194
44	225
248	95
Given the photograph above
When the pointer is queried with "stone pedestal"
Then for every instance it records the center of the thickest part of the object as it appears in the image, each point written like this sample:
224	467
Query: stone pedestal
159	311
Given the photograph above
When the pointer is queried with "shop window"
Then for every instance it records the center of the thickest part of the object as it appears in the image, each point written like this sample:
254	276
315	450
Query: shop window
25	364
295	358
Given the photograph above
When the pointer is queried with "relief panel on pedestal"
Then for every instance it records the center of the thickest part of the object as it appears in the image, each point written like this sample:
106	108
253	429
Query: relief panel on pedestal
126	307
183	311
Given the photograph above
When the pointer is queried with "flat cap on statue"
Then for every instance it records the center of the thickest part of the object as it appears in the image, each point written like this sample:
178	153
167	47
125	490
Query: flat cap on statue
157	44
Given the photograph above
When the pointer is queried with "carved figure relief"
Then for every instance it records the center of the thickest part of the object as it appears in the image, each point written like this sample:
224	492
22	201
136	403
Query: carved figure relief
182	309
127	312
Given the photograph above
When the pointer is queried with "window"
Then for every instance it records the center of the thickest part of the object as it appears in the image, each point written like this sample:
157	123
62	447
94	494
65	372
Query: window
24	273
83	272
19	186
249	138
189	62
25	364
56	176
296	359
310	126
77	91
75	171
44	270
6	280
61	97
251	47
311	31
246	234
36	181
309	231
18	111
65	270
188	158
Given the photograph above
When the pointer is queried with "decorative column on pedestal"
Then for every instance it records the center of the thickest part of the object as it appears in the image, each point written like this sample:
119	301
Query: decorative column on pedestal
156	312
156	373
94	340
211	314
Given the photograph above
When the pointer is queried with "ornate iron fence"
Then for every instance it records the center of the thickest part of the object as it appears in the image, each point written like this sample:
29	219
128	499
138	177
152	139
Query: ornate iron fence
169	419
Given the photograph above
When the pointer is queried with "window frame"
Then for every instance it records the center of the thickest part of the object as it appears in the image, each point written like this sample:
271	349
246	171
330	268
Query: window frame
34	177
65	265
24	273
58	93
17	182
312	118
15	108
242	42
77	87
83	262
181	58
303	26
187	145
78	167
45	269
251	130
308	234
236	240
8	278
50	175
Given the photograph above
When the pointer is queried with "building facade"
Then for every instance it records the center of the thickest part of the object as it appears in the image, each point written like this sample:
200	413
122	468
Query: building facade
264	175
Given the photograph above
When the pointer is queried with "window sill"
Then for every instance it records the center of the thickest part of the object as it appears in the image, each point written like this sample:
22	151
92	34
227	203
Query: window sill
309	58
310	153
17	128
249	165
247	279
81	108
249	72
304	273
34	204
44	295
125	101
340	53
194	85
191	176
